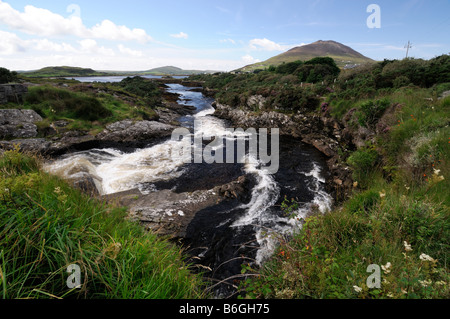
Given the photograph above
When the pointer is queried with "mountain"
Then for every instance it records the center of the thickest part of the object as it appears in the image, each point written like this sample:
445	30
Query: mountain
61	71
68	71
172	70
342	54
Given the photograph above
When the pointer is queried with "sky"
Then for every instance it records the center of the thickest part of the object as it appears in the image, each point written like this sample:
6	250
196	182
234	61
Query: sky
136	35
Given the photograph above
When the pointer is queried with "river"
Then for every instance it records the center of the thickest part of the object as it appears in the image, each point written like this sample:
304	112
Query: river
224	236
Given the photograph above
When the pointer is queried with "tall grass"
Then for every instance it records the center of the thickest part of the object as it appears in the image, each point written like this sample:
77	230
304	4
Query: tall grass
45	226
398	218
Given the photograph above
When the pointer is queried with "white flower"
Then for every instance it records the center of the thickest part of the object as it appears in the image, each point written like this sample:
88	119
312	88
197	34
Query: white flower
390	295
357	289
407	246
383	194
425	283
404	291
386	268
441	283
425	257
437	172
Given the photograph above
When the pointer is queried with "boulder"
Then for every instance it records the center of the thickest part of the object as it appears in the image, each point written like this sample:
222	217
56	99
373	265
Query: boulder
12	93
16	123
129	131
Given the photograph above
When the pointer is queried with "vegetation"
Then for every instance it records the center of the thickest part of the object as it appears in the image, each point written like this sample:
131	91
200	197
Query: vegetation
398	215
62	71
45	226
341	54
92	106
397	218
6	76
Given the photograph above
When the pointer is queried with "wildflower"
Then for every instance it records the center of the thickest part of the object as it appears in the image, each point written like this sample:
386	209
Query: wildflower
441	283
386	268
404	291
425	283
390	295
407	188
383	194
437	172
425	257
407	246
57	190
357	289
355	184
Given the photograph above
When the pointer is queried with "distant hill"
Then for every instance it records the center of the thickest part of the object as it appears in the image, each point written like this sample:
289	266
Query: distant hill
342	54
172	70
67	71
61	71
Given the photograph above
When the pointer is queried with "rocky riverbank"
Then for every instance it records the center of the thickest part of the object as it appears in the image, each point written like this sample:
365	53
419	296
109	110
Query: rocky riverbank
319	130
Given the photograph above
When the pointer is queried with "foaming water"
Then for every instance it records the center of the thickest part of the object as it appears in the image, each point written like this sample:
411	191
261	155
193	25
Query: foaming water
259	220
116	171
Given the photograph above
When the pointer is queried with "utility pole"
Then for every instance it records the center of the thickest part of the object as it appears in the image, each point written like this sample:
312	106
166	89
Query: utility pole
407	47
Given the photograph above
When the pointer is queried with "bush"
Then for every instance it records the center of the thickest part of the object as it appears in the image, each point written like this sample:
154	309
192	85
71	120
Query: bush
143	88
364	163
7	76
51	102
370	112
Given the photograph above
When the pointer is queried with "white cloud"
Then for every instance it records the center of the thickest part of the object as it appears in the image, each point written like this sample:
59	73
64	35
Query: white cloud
91	46
131	52
248	59
47	45
10	43
43	22
180	35
110	31
267	45
228	41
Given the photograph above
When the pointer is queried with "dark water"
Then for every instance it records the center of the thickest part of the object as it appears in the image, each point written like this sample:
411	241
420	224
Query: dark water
223	237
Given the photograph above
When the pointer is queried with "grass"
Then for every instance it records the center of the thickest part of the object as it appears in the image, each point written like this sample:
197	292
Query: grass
84	107
397	217
45	226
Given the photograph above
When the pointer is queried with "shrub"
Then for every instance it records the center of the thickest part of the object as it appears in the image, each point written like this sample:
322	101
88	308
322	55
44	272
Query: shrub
7	76
364	163
51	102
370	112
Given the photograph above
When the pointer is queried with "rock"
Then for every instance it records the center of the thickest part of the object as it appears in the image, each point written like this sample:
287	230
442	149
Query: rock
129	131
256	100
12	93
16	123
34	145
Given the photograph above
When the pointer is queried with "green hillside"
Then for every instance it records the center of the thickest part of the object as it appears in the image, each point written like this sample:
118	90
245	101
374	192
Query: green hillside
343	55
172	70
67	71
62	71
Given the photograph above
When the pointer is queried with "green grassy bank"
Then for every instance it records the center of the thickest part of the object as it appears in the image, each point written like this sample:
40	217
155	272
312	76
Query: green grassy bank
45	226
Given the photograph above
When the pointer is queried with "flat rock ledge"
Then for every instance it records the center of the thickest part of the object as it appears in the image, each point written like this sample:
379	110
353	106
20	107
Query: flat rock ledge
168	213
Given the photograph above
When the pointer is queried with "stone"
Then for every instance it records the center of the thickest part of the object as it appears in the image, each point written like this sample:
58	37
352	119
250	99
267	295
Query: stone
129	131
12	93
15	123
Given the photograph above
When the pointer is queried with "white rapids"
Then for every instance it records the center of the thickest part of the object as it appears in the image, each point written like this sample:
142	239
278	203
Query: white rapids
114	171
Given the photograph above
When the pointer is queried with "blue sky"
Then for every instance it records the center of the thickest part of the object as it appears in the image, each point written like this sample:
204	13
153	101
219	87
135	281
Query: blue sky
209	34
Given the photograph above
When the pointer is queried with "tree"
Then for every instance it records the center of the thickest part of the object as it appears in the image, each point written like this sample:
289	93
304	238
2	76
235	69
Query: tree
7	76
